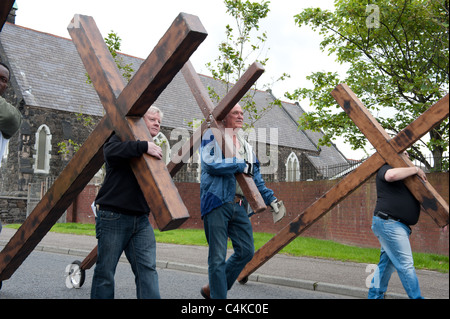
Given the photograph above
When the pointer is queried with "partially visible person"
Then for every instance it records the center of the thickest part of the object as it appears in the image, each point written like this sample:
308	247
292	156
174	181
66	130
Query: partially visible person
10	117
122	223
395	211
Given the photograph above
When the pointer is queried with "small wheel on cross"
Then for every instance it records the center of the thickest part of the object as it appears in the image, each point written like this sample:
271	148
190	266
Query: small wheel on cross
75	275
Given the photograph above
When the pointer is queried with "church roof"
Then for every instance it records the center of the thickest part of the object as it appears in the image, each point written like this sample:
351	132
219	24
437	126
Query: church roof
50	74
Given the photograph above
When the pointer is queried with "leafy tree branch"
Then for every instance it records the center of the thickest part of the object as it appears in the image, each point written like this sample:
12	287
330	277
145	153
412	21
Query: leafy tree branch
398	65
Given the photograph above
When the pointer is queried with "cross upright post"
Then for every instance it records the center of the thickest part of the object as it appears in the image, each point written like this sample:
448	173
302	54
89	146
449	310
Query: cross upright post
388	151
125	106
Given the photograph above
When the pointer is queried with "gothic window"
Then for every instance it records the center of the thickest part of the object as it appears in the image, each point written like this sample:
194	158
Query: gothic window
161	141
43	147
292	168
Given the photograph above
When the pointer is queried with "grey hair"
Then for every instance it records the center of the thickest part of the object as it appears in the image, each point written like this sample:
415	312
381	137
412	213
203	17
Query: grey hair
154	109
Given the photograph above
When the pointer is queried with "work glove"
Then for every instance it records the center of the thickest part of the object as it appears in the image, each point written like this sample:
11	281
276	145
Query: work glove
278	210
248	169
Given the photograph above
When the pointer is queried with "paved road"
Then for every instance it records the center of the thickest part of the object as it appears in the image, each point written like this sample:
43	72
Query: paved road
313	274
42	276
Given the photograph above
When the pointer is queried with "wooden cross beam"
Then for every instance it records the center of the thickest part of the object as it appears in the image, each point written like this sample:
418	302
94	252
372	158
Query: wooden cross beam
5	9
125	106
388	151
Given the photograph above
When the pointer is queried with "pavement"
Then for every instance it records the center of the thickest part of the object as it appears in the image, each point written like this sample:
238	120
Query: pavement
343	278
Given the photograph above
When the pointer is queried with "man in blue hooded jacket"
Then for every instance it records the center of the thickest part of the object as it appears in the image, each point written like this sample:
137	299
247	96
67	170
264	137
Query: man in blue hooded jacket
223	206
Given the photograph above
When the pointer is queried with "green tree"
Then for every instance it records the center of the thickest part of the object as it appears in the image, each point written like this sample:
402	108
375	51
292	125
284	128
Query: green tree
241	48
113	42
398	58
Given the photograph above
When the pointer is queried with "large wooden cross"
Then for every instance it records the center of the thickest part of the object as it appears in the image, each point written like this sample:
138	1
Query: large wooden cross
213	116
388	151
125	106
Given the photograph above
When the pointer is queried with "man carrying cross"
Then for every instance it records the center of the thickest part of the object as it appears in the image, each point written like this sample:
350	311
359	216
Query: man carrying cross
223	206
396	209
122	217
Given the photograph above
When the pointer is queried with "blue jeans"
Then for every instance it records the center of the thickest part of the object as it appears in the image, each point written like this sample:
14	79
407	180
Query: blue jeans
395	254
134	235
229	220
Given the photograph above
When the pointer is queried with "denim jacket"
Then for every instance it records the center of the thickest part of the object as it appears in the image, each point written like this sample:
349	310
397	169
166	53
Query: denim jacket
218	183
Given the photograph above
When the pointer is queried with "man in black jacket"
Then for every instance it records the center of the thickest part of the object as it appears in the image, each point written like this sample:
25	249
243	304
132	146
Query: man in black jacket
122	217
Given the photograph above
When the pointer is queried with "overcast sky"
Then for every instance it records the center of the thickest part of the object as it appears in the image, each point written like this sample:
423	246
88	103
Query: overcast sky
141	23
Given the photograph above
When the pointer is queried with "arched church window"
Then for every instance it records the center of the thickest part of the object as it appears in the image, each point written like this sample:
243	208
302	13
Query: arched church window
43	146
292	168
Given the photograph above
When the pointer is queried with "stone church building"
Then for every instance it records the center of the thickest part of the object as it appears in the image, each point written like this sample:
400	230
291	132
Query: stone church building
49	86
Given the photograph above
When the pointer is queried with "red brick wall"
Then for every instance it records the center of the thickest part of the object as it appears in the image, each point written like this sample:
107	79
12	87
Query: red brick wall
80	211
348	223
